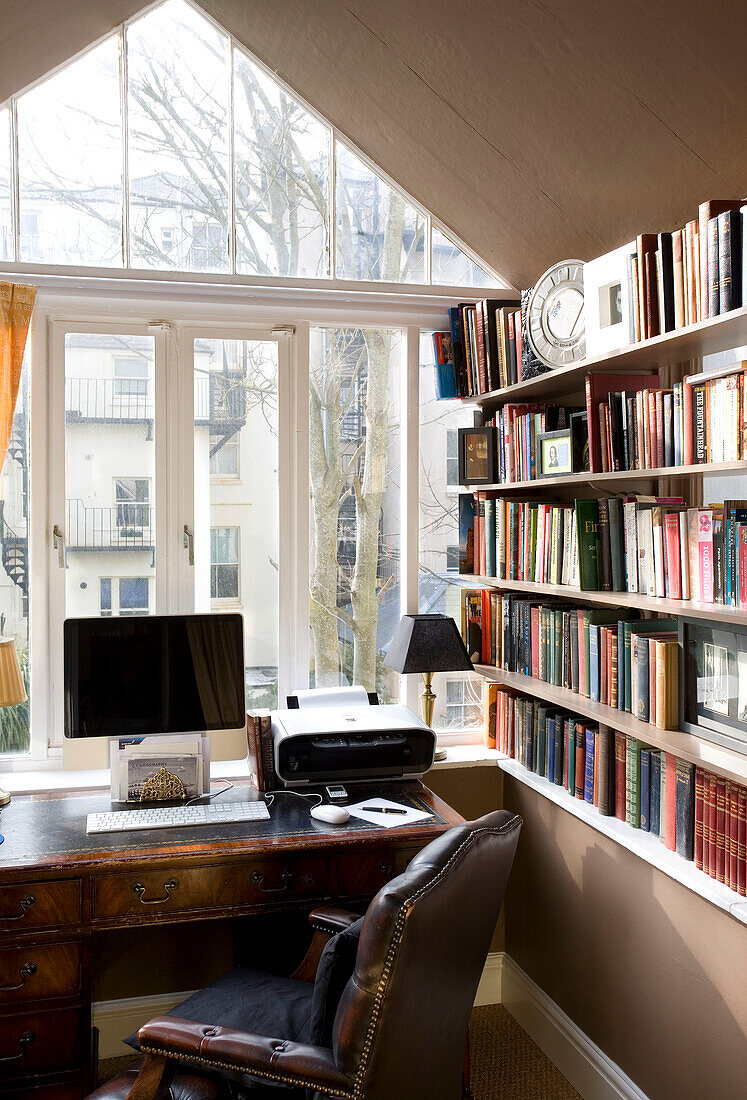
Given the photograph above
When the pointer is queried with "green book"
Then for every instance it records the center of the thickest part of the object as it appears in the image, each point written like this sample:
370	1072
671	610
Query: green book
587	523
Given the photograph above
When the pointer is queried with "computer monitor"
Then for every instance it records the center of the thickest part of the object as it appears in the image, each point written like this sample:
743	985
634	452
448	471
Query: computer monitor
155	674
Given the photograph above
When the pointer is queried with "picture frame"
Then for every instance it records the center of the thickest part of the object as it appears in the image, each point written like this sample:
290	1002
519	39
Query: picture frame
713	682
609	302
477	456
580	441
554	453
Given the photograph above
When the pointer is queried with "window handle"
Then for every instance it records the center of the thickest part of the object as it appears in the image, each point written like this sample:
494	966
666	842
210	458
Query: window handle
189	543
59	544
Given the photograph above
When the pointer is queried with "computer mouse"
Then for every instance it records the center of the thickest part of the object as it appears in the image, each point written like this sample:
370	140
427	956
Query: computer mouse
332	815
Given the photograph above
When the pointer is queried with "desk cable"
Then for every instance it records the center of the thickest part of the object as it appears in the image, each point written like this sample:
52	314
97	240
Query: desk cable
270	797
212	795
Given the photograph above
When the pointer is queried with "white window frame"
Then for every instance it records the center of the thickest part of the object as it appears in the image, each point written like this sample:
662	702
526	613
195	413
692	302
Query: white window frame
117	305
220	600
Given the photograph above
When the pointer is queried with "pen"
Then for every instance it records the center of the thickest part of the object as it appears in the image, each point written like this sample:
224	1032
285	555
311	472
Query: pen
383	810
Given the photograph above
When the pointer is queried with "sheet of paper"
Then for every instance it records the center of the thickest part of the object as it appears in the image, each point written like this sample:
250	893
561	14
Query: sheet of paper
332	697
387	821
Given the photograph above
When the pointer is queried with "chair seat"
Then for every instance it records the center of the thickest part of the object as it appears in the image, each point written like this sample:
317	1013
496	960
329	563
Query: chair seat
246	999
190	1086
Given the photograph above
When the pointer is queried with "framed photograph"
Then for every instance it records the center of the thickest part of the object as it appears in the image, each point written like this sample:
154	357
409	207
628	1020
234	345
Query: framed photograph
477	456
580	441
608	301
713	682
554	453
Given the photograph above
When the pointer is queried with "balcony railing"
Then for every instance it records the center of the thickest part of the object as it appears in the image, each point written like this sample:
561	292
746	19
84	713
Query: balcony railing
126	526
218	399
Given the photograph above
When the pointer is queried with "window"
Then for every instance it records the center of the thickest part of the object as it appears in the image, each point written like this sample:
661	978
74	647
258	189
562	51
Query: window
463	702
132	595
130	377
224	455
225	170
452	458
224	563
132	495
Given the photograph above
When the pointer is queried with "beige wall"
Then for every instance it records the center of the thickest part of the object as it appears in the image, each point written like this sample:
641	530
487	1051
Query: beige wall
536	132
654	974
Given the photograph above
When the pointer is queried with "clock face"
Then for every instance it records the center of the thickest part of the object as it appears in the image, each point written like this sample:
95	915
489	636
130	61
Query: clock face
555	315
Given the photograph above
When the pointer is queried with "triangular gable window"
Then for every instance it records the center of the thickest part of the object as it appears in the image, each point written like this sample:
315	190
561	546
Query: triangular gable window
220	170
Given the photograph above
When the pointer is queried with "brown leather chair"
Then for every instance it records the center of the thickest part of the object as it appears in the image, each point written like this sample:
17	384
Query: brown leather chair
400	1026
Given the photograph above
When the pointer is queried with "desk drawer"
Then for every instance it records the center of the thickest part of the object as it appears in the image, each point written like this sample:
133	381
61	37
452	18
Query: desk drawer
264	881
27	973
39	1042
148	893
38	904
368	872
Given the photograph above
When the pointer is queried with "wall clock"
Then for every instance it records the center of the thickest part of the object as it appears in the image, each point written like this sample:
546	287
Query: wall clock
555	315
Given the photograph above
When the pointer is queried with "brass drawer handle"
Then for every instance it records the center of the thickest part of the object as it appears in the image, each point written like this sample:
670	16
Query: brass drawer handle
258	878
26	971
139	889
26	1038
26	904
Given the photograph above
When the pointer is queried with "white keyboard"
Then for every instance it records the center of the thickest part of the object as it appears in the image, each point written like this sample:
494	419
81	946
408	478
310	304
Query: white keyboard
174	817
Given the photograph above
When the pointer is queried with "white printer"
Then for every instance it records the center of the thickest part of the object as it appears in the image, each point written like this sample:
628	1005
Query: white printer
337	736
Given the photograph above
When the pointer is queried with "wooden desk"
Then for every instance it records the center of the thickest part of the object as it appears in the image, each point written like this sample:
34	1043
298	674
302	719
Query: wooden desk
60	887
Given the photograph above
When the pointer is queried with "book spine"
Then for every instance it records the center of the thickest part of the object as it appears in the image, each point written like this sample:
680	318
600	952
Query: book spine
670	803
712	839
713	272
490	542
732	796
589	766
269	774
605	550
654	807
742	841
729	260
720	829
254	751
698	819
645	789
619	766
685	808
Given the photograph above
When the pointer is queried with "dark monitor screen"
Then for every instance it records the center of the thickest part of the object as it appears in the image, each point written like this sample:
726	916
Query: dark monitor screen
128	677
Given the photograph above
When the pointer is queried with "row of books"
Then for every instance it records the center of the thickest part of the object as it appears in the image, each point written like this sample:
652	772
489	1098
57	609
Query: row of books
482	350
655	546
606	655
517	427
260	751
699	815
636	424
691	274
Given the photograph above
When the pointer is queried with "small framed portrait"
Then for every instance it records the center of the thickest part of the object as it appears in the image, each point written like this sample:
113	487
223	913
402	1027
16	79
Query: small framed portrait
713	682
477	456
608	301
554	453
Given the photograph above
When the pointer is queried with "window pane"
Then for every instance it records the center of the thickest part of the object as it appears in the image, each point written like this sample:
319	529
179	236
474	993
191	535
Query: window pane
281	158
14	556
110	471
236	521
70	164
439	589
178	140
6	222
354	475
450	266
379	234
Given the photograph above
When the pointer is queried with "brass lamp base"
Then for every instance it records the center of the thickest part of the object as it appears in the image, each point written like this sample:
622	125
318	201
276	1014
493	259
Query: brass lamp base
4	797
427	699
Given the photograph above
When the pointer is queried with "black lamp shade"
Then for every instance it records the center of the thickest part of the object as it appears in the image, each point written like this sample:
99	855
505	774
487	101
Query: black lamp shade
427	643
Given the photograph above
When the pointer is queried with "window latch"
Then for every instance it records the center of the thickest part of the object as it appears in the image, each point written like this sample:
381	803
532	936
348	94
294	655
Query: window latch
59	544
189	543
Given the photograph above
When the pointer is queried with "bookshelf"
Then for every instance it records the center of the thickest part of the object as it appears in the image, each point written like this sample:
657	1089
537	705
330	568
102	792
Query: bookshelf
672	355
692	342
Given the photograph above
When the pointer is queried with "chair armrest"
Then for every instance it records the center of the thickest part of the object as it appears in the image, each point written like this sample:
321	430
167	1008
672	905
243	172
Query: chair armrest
328	919
243	1052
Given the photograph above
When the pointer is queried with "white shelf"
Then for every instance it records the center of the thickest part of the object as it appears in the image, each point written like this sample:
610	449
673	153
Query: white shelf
642	844
601	480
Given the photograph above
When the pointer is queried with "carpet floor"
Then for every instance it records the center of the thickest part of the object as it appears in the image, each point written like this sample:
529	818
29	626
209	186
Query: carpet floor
506	1063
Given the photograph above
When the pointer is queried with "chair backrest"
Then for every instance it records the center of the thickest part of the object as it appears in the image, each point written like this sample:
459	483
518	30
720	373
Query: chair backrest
402	1020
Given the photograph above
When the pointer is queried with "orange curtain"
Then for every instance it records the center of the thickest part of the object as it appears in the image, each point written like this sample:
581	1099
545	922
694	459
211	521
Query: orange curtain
16	307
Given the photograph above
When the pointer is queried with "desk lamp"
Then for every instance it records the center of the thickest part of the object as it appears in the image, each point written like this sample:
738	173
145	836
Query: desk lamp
12	691
427	644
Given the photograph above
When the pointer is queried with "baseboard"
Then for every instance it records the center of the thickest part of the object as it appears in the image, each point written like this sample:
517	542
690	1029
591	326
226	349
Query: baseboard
581	1061
489	991
116	1019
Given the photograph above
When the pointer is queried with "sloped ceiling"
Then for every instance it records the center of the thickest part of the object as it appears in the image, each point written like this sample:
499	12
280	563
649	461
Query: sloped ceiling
536	131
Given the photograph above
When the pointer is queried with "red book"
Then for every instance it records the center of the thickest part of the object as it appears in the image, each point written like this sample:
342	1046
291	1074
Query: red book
581	653
620	793
712	826
720	829
603	636
519	343
698	845
672	548
742	559
487	630
706	822
733	843
670	803
580	761
611	638
598	387
687	417
535	619
651	429
742	842
660	429
482	363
